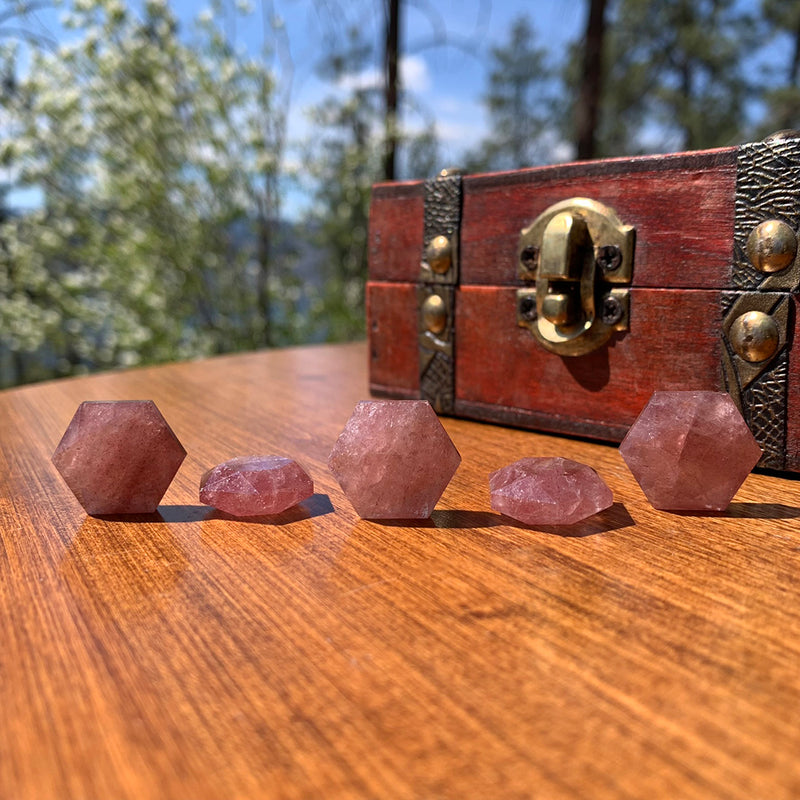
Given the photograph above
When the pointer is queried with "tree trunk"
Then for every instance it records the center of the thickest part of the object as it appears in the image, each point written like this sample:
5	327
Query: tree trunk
587	110
391	86
794	67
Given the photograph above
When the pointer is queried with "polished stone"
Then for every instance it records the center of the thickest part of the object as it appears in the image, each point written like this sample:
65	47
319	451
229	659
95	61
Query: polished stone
690	450
548	491
394	459
255	485
118	457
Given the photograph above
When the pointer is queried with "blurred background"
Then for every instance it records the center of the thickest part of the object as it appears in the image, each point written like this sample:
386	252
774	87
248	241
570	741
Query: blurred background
180	179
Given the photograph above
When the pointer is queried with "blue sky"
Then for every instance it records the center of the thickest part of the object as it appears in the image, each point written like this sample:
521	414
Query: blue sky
445	80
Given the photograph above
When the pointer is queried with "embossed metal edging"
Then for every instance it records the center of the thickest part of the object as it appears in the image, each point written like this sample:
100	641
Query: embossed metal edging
766	271
436	306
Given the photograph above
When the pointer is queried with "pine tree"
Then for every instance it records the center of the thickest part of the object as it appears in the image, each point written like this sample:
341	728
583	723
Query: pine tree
782	18
520	103
346	157
676	77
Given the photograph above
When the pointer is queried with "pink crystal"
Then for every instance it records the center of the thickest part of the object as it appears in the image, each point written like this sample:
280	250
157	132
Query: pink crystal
690	451
548	491
118	457
394	459
254	485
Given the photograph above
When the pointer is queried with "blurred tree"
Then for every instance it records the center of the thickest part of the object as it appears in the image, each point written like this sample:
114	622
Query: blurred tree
346	157
391	83
676	76
387	26
151	159
520	99
782	18
590	89
18	23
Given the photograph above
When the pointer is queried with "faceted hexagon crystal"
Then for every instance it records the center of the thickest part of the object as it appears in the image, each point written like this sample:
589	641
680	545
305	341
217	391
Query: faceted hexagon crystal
394	459
118	457
690	451
548	491
254	485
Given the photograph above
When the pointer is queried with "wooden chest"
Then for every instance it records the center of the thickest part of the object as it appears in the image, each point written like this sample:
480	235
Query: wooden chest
560	298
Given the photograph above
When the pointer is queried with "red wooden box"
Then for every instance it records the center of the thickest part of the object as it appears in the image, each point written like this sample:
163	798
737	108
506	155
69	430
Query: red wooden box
635	274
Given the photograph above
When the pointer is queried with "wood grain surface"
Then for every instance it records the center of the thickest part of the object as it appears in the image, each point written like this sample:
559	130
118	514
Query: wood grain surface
317	655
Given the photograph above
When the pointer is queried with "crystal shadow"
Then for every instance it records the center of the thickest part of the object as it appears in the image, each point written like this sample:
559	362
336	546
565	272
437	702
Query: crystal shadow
749	511
613	518
165	513
447	518
315	506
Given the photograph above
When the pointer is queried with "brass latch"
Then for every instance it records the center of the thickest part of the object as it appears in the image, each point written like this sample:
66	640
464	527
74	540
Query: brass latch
579	253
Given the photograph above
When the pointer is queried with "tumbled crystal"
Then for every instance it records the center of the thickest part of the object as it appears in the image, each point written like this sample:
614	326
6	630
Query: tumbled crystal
394	459
548	491
118	457
254	485
690	450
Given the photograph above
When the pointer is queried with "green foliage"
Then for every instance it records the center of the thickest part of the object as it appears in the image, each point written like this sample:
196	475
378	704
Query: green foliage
520	101
343	162
676	77
782	79
150	155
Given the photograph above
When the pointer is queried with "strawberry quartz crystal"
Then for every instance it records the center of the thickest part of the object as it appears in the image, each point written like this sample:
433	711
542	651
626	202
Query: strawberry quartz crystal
118	457
254	485
690	451
394	459
548	491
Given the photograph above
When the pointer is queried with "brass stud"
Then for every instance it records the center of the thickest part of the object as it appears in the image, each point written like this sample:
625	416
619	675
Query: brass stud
438	254
434	314
754	336
560	309
783	135
772	246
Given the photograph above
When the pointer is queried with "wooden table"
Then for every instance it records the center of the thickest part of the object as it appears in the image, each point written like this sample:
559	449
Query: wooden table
640	654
